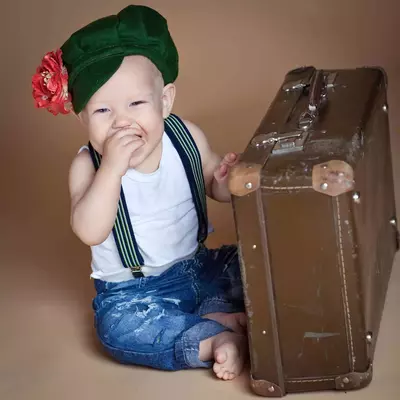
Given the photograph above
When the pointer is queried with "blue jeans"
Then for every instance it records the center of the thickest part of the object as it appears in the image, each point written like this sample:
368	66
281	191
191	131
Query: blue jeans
156	321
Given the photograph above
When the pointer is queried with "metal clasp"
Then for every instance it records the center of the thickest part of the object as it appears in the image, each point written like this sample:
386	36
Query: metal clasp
281	142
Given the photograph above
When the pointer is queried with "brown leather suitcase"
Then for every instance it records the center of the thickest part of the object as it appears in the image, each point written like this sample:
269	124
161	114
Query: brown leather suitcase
314	209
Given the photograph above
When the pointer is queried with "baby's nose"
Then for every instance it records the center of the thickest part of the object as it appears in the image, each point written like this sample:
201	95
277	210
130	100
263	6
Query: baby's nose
123	120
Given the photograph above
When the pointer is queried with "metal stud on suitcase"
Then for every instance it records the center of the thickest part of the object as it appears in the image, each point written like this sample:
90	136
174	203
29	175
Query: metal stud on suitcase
315	216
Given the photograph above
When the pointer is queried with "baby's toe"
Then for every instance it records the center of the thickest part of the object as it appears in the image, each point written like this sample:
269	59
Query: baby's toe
226	376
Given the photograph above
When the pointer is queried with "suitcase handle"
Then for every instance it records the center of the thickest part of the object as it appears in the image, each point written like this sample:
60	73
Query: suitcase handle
318	91
317	99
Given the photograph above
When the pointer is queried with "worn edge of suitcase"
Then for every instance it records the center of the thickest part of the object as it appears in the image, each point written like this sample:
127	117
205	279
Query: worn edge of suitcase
351	381
266	307
338	176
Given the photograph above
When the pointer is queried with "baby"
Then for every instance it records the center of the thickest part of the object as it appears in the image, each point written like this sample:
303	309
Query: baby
138	199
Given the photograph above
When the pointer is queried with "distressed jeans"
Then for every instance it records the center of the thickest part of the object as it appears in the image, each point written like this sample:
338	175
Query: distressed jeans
156	321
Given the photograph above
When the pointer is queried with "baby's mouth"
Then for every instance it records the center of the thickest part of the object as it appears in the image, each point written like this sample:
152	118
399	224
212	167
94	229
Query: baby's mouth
138	135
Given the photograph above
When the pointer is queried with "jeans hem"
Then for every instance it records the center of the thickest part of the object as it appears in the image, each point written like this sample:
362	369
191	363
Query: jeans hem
218	305
187	348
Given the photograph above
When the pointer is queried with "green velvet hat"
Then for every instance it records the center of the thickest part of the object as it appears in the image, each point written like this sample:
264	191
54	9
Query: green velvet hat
95	52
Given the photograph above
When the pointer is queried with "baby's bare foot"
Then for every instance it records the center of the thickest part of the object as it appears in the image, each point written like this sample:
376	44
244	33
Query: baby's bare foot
230	352
235	321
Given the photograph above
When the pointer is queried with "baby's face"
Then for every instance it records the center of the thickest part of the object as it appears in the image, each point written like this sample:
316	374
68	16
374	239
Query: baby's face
133	99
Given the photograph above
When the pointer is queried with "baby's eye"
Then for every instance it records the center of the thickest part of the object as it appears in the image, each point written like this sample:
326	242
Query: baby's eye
101	111
136	103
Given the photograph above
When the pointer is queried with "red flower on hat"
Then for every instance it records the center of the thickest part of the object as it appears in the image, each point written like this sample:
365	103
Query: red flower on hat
50	84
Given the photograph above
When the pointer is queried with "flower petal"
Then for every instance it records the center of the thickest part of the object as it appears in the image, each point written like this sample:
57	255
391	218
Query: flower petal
50	84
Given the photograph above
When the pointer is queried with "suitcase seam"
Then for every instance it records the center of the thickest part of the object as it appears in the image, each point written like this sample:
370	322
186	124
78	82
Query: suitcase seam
286	187
311	380
346	298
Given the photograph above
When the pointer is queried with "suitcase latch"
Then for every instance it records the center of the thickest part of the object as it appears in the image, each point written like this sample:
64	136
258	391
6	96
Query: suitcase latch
281	142
301	78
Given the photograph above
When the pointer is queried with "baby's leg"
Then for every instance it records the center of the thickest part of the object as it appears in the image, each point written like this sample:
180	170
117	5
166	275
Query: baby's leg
219	281
221	288
235	321
222	301
155	325
151	332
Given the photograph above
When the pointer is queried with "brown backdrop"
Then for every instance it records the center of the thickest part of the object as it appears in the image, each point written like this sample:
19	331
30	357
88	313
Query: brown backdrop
233	54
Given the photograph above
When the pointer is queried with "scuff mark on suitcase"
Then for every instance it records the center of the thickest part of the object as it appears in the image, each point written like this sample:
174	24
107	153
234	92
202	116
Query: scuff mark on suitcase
305	166
247	302
319	335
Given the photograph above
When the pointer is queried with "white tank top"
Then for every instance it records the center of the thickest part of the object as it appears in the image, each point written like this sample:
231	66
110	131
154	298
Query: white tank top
163	217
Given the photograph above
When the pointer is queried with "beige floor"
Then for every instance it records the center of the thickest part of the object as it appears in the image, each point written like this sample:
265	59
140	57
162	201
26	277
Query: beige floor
228	77
48	350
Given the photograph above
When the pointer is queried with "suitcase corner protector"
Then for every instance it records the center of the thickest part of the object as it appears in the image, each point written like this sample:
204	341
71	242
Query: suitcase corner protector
333	178
266	389
244	178
354	380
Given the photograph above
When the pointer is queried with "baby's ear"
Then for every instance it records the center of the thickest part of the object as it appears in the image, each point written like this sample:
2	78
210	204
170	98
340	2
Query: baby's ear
168	98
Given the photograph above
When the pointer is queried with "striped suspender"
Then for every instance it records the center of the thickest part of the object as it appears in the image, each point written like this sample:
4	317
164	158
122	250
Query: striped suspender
122	231
190	156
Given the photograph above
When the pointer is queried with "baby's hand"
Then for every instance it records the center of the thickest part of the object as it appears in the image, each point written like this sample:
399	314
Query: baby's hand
118	151
221	173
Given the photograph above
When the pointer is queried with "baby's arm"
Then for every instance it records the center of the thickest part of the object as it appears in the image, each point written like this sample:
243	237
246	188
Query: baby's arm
215	168
94	199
